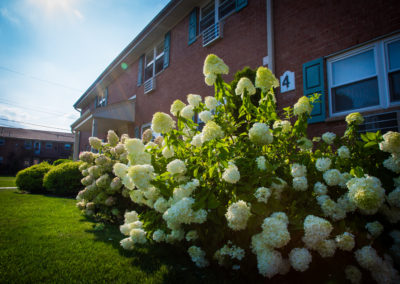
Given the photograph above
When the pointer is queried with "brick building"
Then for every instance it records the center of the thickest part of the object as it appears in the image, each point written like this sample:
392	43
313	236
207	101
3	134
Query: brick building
347	51
21	148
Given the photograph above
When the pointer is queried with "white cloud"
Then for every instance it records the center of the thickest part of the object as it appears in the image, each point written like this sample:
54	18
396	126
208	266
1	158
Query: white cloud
53	8
5	13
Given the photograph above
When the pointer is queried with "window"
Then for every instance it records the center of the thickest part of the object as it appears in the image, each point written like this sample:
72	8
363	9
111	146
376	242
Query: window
101	99
49	145
1	160
2	141
215	11
154	61
67	146
27	163
28	144
366	78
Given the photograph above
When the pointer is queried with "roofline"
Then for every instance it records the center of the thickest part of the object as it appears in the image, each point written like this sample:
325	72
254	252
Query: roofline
129	48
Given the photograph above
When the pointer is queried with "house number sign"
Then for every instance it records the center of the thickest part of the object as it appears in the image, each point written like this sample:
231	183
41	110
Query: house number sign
287	82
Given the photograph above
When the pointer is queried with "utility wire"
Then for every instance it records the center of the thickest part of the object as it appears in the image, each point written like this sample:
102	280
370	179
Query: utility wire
40	79
32	109
5	119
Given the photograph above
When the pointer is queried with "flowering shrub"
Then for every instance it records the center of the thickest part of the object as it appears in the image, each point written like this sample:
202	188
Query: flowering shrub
251	189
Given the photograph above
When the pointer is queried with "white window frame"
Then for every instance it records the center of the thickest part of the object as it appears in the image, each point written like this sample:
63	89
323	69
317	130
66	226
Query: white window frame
381	60
102	98
216	12
154	60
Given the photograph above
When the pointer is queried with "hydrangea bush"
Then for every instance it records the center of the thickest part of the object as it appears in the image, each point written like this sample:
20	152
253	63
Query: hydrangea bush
250	188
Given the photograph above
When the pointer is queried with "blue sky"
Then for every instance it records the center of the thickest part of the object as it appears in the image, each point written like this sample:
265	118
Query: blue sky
51	51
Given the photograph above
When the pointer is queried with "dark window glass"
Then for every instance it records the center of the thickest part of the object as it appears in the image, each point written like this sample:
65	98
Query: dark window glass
394	84
159	64
148	72
226	7
207	16
356	95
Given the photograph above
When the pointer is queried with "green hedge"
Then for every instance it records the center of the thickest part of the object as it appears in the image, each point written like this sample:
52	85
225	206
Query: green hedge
31	179
60	161
64	179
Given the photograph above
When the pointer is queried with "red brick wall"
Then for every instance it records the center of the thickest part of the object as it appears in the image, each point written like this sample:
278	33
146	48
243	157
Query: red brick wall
309	29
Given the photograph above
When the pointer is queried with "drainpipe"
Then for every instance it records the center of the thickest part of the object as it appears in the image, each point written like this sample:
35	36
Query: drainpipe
76	144
270	36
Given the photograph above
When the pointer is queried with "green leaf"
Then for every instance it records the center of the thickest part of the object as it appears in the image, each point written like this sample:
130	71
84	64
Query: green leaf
370	144
357	171
371	135
364	137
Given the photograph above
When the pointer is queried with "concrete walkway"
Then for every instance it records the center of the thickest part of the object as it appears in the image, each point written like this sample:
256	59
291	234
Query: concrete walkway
8	187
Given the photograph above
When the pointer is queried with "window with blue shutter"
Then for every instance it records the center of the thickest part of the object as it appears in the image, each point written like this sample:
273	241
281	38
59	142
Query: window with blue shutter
167	41
313	82
193	26
240	4
140	71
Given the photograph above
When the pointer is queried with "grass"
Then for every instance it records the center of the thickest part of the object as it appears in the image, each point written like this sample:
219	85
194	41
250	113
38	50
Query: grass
46	239
7	181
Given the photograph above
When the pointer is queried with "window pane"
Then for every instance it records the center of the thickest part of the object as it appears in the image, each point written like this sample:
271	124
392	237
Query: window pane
394	84
159	64
149	57
160	49
353	68
394	55
207	16
354	96
148	72
226	7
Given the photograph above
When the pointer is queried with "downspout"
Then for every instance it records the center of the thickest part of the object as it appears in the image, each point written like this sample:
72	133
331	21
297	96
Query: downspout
270	36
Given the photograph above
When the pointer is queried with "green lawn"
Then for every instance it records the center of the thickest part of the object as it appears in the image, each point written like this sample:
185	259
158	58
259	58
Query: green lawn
46	239
7	182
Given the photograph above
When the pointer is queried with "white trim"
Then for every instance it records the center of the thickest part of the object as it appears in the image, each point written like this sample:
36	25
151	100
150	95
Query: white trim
381	61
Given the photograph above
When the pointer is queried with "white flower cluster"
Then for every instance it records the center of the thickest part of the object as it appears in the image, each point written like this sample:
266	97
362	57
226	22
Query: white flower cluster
211	131
300	259
343	152
176	107
229	250
191	236
205	116
261	163
299	173
355	118
245	86
278	187
197	140
194	100
382	270
303	105
213	66
198	256
323	164
260	134
393	163
374	228
176	167
345	241
262	194
141	175
366	193
316	233
132	228
332	177
305	144
237	215
328	137
283	124
265	79
391	142
95	143
162	123
187	112
320	188
231	174
211	103
394	197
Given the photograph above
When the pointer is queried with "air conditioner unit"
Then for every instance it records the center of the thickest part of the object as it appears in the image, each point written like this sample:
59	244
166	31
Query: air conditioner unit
149	85
212	33
389	121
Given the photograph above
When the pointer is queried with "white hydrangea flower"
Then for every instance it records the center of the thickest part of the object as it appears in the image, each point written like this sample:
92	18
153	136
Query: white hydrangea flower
159	236
304	144
323	164
231	174
95	143
194	100
345	177
205	116
355	118
300	259
176	107
245	85
300	183
196	140
367	193
260	134
262	194
161	205
211	103
391	142
316	229
237	215
303	105
134	146
345	241
214	65
275	233
278	188
328	137
298	170
283	124
187	112
192	236
394	197
198	256
353	274
127	243
343	152
332	177
211	131
320	188
392	163
265	79
374	228
230	250
176	167
141	175
168	152
138	236
261	163
162	122
326	248
120	170
270	262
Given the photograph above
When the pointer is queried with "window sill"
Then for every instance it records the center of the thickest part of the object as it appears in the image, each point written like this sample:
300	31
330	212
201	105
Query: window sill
364	113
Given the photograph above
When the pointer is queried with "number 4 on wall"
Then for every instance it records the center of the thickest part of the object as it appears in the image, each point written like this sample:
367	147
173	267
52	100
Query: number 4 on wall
287	81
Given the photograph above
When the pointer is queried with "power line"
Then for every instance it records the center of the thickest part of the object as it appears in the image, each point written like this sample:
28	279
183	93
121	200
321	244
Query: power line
31	109
9	120
39	79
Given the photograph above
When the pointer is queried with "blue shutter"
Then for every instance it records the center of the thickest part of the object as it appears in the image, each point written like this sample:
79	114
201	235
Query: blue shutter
95	102
167	42
140	71
192	26
240	4
313	82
